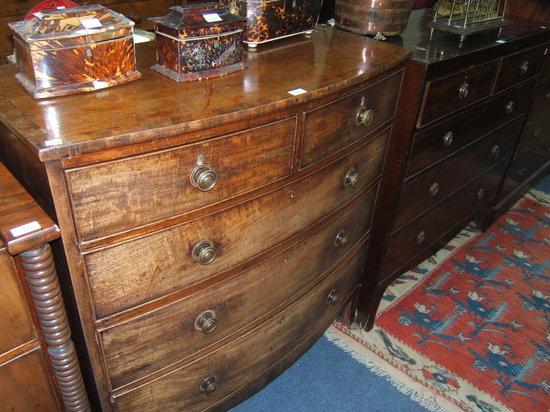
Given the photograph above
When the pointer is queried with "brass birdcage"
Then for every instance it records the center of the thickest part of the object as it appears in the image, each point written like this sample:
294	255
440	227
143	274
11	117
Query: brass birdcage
465	17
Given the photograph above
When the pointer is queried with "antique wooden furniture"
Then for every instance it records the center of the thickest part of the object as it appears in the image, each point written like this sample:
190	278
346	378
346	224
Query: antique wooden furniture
461	113
74	50
212	229
199	41
269	20
39	369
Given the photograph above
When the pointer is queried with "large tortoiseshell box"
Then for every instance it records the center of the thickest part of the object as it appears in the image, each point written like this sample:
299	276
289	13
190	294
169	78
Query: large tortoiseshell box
74	50
274	19
199	41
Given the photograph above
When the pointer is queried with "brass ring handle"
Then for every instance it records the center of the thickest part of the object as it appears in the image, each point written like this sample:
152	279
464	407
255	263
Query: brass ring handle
434	189
352	177
209	385
364	117
341	239
420	237
495	151
524	67
448	138
206	322
509	108
204	178
464	90
204	252
480	193
332	297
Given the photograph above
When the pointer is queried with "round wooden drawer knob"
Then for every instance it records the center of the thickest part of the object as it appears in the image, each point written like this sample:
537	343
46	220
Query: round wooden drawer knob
341	239
204	178
209	385
464	90
448	138
524	67
364	117
206	322
352	178
332	297
204	252
434	189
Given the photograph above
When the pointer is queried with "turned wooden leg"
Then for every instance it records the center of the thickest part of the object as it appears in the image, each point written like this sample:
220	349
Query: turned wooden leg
41	275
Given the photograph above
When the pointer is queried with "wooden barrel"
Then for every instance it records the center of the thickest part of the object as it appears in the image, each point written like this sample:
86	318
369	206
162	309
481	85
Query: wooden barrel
388	17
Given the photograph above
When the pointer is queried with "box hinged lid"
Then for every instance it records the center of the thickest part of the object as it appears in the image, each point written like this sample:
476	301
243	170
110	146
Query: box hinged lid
198	19
95	22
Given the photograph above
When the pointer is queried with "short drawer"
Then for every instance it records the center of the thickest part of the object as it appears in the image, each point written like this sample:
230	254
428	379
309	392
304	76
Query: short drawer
135	272
446	138
418	235
424	192
230	367
444	96
520	66
26	385
16	326
343	122
508	105
116	196
141	346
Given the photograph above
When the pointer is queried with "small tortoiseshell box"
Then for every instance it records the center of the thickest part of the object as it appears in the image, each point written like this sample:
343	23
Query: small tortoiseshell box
74	50
199	41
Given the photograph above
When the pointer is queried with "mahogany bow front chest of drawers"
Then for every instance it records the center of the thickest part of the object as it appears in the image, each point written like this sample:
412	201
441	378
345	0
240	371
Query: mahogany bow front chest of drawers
462	111
211	230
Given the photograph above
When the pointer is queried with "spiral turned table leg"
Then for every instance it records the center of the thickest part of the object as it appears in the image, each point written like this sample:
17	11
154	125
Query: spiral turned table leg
41	275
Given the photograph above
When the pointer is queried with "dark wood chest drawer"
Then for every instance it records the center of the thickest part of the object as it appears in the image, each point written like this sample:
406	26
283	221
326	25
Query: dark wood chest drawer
120	195
520	66
136	348
446	138
227	369
425	191
410	241
508	105
444	96
332	127
138	271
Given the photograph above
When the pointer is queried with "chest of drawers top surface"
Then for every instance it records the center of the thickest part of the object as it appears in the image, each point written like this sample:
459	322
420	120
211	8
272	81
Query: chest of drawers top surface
156	107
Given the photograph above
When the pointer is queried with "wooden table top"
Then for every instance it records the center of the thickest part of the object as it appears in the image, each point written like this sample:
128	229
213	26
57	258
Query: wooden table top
155	107
23	223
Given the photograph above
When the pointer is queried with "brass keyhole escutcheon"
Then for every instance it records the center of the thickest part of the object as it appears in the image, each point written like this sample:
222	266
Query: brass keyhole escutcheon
204	178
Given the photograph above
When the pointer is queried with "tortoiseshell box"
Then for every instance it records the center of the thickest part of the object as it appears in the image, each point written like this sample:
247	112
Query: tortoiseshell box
74	50
269	20
199	41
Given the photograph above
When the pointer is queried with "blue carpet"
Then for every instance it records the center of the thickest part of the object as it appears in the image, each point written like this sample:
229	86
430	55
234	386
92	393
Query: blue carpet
328	379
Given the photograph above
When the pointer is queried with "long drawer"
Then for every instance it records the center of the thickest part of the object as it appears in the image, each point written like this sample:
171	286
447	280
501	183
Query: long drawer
135	272
425	191
435	143
419	234
444	96
213	377
120	195
141	346
345	121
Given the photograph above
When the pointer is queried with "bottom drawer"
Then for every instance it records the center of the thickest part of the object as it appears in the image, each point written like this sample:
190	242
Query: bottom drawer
209	380
26	385
418	235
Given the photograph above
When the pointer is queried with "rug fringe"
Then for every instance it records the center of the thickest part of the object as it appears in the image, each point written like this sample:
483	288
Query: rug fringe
418	395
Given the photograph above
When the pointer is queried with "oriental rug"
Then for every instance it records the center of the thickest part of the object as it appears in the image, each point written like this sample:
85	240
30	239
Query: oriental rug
469	329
